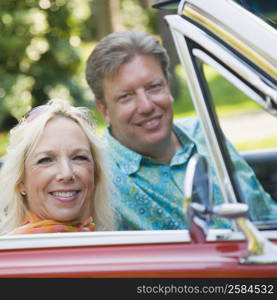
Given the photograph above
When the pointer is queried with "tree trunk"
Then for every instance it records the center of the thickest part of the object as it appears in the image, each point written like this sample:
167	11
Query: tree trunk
107	16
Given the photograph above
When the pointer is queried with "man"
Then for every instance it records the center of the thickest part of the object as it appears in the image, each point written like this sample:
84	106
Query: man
147	152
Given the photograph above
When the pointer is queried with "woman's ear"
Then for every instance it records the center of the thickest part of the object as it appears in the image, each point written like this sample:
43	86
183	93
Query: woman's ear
22	189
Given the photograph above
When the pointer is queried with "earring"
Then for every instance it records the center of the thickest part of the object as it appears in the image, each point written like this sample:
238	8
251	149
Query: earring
23	193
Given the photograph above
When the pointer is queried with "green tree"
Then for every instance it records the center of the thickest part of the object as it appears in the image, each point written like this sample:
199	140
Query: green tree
39	58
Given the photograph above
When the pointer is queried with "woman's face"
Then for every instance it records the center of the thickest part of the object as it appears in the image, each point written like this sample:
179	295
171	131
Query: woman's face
59	174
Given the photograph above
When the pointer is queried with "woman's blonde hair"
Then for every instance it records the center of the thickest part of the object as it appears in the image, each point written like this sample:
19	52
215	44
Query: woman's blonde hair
23	140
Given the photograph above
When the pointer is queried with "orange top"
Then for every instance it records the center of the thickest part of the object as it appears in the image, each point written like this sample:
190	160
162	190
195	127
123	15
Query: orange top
33	224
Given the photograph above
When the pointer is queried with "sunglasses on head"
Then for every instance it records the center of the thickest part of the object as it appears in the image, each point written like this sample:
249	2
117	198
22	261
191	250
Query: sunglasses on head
39	110
35	112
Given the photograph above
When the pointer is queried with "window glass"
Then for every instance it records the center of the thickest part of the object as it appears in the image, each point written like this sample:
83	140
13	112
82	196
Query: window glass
250	129
243	121
264	9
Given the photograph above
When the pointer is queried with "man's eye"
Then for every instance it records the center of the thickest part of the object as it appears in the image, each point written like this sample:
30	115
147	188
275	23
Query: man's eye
155	87
45	160
125	97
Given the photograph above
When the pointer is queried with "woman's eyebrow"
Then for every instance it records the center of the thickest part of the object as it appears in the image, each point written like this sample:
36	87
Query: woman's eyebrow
44	152
73	150
81	150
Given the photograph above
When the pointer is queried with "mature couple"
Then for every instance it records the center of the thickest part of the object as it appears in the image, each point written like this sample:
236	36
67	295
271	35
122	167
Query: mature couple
58	177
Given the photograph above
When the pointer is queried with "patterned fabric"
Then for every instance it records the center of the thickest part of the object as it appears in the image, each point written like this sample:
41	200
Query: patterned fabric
149	195
33	224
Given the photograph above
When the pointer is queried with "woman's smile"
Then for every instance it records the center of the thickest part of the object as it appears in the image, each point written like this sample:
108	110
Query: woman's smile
66	195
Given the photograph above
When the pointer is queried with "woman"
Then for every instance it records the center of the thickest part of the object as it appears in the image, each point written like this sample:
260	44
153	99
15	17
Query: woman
53	177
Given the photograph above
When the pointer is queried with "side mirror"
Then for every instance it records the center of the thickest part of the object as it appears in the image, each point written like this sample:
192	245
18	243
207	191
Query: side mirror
199	208
198	199
198	193
197	184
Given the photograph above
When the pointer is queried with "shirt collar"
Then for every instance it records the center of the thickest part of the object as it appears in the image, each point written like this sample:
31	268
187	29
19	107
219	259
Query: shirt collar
127	159
183	154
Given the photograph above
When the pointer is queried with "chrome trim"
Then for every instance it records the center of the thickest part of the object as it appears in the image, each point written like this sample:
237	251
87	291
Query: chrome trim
258	47
176	23
230	210
230	235
181	7
188	182
240	84
260	249
105	238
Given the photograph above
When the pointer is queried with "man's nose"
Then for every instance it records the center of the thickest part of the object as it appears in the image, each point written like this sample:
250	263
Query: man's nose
144	103
65	171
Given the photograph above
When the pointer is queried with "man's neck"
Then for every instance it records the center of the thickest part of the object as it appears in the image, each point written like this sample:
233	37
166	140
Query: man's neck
165	151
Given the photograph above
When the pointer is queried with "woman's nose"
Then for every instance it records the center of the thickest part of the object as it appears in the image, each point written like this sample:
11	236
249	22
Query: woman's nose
65	171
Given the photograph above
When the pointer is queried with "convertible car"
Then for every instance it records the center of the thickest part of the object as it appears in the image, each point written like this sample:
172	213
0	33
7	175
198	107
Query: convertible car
238	41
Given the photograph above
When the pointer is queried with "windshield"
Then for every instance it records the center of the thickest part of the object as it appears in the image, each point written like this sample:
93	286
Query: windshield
266	10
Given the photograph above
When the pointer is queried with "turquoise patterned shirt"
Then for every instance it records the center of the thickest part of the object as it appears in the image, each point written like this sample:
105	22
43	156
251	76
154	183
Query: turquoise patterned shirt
148	195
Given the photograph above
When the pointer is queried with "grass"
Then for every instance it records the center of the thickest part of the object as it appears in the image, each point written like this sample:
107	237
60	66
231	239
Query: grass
265	143
3	143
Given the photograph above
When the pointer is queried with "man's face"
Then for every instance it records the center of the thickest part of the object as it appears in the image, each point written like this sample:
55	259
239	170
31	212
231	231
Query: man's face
138	105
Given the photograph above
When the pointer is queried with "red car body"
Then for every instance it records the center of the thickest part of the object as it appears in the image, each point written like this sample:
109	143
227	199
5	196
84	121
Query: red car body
186	259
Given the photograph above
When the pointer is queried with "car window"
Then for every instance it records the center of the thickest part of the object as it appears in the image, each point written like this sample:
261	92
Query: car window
250	129
243	121
266	10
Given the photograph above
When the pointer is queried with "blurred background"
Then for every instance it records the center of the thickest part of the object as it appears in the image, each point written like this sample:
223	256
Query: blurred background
44	45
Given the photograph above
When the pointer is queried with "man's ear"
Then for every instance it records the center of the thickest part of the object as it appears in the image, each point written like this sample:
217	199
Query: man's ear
103	110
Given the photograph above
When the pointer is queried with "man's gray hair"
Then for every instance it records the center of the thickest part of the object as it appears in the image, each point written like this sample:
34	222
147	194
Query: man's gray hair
116	49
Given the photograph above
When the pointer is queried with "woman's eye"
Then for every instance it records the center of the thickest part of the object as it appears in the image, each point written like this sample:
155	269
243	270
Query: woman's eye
45	160
81	157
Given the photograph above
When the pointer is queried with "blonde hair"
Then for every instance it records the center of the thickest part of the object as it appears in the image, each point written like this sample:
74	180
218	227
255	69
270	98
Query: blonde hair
23	140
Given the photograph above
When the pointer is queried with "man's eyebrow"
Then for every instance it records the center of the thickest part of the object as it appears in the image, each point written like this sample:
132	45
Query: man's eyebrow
119	93
122	91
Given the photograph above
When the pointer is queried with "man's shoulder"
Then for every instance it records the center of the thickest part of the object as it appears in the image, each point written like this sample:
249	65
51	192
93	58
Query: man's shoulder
120	158
189	125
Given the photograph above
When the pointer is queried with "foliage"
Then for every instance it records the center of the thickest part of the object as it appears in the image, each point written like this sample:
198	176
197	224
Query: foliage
44	45
3	143
39	54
